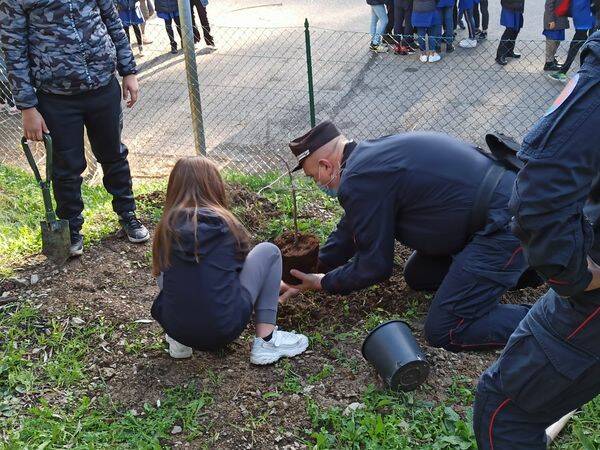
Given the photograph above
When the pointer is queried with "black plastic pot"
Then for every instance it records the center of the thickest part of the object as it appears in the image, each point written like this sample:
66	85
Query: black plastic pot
393	350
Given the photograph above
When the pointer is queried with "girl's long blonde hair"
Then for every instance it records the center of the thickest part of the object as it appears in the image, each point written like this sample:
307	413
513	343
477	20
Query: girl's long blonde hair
194	183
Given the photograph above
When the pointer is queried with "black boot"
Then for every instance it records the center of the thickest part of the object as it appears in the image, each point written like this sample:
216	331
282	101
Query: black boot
174	48
513	55
501	60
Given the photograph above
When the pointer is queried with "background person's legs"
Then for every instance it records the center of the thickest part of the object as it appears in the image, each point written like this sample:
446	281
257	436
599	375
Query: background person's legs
138	34
468	15
261	276
169	29
103	121
378	23
579	39
448	22
201	9
194	27
551	48
485	14
507	43
409	31
389	6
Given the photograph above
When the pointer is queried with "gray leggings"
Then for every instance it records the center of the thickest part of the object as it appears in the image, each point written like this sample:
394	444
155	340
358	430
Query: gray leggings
261	276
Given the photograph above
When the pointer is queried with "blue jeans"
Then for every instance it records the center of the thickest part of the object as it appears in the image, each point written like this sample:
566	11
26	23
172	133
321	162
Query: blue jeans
447	14
433	33
379	21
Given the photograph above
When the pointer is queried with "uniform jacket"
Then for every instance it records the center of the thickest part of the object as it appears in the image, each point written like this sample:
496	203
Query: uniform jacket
515	5
62	46
417	188
561	162
202	303
561	23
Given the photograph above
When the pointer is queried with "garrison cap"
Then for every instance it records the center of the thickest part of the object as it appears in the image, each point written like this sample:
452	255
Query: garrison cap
312	141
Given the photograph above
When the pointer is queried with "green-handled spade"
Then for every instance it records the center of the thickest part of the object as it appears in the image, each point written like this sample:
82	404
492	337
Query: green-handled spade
56	238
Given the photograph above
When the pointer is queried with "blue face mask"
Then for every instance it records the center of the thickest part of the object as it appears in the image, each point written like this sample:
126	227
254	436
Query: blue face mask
331	192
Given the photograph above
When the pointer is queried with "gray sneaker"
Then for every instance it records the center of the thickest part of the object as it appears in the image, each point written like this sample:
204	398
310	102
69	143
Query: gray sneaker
133	228
76	247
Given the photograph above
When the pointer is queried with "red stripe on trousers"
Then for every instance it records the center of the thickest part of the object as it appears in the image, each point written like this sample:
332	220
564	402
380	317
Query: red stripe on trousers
491	429
584	323
512	258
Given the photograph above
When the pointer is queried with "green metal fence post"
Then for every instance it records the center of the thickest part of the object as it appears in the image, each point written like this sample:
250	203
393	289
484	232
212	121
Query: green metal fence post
191	69
311	90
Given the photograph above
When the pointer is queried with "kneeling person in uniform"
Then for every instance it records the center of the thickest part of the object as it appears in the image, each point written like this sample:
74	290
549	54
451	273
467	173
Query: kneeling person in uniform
437	195
551	364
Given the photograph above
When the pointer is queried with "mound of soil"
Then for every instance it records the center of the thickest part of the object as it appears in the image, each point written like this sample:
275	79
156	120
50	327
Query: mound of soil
299	251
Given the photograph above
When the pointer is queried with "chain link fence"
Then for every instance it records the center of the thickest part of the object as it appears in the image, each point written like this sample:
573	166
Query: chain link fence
255	95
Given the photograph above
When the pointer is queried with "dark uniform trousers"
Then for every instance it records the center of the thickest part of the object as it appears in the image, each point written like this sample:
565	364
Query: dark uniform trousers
100	112
466	313
550	366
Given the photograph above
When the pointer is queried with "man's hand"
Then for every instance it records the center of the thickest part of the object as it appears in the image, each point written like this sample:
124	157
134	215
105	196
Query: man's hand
286	291
34	125
595	270
130	90
310	281
551	25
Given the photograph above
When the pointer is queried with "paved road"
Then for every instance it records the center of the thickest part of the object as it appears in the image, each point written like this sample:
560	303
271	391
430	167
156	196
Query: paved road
342	15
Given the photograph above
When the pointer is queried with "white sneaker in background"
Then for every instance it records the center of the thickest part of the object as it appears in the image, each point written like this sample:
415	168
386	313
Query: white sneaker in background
468	43
423	58
282	344
177	350
434	58
13	110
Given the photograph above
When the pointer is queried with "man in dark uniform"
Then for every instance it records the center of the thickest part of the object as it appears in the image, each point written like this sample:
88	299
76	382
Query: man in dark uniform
436	195
551	364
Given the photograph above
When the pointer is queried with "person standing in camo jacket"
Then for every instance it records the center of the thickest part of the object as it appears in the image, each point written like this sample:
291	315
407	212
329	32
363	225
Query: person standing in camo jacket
62	57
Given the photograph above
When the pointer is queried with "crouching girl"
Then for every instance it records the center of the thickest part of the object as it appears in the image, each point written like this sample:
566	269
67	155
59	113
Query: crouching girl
210	283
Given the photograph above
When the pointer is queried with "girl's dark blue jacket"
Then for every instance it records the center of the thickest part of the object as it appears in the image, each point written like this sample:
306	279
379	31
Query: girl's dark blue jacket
202	303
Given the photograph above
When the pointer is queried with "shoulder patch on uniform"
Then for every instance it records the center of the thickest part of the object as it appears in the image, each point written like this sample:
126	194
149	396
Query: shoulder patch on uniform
564	95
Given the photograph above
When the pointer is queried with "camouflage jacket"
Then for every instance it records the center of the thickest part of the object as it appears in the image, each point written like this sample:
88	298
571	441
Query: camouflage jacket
62	46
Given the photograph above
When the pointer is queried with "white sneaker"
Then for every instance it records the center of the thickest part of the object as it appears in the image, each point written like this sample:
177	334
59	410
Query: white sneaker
13	110
281	344
424	58
468	43
177	350
434	58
